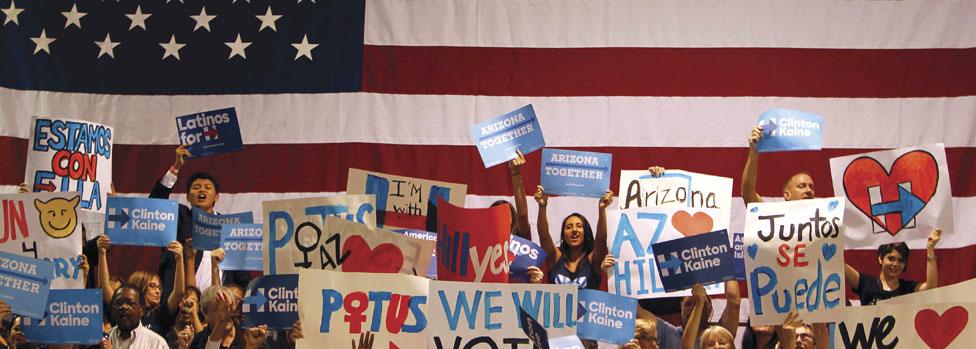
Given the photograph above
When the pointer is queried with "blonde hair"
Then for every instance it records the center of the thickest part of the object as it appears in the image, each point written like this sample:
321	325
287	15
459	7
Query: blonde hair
719	331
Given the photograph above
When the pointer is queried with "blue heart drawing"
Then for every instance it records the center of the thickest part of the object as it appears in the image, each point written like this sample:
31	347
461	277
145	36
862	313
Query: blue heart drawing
752	249
754	209
828	251
832	205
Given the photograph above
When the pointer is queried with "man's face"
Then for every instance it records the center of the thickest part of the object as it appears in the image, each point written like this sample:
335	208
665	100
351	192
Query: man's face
126	309
202	194
799	187
804	338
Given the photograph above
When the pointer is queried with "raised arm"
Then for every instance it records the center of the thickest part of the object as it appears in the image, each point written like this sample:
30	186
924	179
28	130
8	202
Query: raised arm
179	279
750	172
189	263
730	316
164	186
523	229
542	224
821	335
931	263
851	276
600	245
690	336
216	256
787	332
103	274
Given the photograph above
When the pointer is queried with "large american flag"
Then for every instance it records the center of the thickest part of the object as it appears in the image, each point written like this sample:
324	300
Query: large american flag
392	86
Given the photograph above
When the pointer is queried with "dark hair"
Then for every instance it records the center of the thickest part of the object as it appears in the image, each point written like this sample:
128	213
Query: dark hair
511	210
901	247
202	175
587	235
194	290
128	286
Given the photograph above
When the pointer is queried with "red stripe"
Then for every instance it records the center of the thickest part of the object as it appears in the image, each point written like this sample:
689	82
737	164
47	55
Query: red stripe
324	167
670	71
955	265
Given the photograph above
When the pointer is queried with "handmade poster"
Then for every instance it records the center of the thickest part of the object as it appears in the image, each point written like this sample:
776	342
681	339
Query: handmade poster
206	227
73	317
575	173
608	318
527	254
403	202
698	259
272	300
737	254
896	195
72	156
465	314
795	260
335	308
568	342
210	132
631	236
426	236
45	226
958	292
242	244
26	283
141	221
473	243
676	188
927	325
538	336
293	230
498	138
790	130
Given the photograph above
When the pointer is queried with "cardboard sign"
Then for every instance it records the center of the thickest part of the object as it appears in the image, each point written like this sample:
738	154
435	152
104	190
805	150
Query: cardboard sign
959	292
336	308
527	254
272	300
698	259
426	236
293	230
45	226
575	173
206	227
498	138
473	243
568	342
608	318
896	195
73	317
676	188
26	283
210	132
795	260
464	314
633	232
403	202
141	221
242	244
790	130
930	325
738	240
72	156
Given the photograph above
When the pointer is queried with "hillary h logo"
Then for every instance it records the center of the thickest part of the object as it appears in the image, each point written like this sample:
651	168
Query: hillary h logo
669	263
256	298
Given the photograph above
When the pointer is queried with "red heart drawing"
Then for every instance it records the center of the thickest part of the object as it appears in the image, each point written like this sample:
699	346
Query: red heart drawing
917	167
939	331
689	225
384	258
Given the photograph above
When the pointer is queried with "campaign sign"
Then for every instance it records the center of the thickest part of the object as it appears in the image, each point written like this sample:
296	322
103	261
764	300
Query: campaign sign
790	130
527	254
210	132
473	243
536	333
737	253
426	236
337	307
567	342
915	325
608	318
242	246
141	221
206	227
45	226
293	230
465	314
795	260
73	317
575	173
498	138
271	300
26	283
404	202
698	259
676	188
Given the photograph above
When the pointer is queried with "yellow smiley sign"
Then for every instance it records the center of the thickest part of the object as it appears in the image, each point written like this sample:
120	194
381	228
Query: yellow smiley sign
58	216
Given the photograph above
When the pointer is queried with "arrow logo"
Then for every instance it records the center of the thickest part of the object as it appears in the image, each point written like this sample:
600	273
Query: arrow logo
120	218
907	204
258	299
44	187
768	129
667	264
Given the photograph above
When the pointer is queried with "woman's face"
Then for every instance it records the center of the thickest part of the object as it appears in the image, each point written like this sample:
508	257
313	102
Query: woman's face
573	232
715	341
892	264
188	306
154	291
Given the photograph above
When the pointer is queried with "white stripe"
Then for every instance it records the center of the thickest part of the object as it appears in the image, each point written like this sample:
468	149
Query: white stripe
445	119
672	23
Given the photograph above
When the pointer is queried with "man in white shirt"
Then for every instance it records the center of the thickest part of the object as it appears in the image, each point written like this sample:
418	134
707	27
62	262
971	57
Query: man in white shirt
126	312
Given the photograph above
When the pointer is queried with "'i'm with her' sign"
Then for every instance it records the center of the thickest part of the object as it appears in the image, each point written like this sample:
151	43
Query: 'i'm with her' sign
795	260
498	139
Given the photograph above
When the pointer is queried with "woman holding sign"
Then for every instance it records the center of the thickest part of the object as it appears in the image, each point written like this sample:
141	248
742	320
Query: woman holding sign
573	262
893	259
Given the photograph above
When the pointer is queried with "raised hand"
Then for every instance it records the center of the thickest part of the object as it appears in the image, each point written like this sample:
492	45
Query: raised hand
540	196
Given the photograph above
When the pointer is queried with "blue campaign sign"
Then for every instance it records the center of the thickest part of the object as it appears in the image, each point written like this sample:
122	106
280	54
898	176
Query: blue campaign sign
25	284
698	259
242	246
498	138
206	227
575	173
141	221
790	130
210	132
568	342
424	235
73	317
271	300
527	254
740	263
607	318
534	330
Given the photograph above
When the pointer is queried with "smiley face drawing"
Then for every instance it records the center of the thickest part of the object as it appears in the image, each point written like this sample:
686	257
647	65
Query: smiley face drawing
58	216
